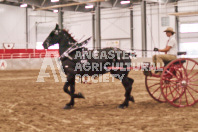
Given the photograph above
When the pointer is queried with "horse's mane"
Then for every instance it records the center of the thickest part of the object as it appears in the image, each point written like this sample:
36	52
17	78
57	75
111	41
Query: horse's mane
69	35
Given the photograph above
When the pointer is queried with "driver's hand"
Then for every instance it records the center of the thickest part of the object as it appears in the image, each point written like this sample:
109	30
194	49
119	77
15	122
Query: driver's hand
155	49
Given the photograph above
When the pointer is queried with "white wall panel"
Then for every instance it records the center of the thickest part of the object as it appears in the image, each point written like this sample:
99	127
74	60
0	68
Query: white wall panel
79	25
115	28
190	6
137	32
189	39
115	24
41	23
12	26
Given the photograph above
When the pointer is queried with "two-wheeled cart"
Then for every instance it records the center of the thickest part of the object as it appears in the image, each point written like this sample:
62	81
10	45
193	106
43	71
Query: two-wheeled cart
177	85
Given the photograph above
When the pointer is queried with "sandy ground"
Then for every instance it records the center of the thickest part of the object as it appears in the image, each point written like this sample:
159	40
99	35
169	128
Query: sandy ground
30	106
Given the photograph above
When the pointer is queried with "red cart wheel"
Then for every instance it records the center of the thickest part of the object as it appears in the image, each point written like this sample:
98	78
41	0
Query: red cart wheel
179	82
153	88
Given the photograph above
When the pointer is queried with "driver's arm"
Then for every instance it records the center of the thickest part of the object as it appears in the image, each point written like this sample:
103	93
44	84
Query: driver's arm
166	49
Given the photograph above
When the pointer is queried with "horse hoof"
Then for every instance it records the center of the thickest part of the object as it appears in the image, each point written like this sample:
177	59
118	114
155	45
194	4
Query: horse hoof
81	95
67	107
122	106
132	99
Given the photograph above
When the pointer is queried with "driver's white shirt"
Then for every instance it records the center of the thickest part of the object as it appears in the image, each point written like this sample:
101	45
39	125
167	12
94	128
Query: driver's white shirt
173	43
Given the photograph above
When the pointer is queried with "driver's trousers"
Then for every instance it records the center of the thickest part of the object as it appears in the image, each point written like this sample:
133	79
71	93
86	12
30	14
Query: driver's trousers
159	60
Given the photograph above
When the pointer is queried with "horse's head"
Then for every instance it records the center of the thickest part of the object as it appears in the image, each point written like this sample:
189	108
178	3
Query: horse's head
58	36
53	37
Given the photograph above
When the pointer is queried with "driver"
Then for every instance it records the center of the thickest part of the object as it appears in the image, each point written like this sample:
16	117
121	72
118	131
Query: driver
170	50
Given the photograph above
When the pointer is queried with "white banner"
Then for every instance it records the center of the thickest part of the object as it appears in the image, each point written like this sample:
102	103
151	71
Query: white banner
113	43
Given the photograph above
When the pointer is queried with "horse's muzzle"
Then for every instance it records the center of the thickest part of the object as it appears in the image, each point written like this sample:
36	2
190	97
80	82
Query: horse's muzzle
46	45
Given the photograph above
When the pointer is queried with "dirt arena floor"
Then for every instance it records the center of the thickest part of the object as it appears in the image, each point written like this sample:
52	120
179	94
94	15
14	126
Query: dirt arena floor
30	106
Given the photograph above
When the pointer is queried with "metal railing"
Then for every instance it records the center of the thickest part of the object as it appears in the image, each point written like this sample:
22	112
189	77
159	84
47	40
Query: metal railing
28	55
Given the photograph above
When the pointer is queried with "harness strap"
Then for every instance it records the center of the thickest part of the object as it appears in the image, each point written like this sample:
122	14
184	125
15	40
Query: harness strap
73	48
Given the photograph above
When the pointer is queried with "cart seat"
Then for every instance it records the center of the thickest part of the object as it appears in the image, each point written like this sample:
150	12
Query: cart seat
181	53
166	63
178	53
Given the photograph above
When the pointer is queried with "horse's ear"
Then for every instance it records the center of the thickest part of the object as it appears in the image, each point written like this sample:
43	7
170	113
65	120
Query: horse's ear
57	27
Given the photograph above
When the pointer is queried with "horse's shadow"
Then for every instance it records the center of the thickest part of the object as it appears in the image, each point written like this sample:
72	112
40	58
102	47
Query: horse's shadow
150	104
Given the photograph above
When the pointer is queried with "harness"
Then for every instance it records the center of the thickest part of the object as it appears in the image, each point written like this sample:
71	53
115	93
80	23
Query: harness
73	48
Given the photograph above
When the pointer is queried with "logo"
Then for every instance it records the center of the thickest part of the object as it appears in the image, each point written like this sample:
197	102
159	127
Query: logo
3	64
8	45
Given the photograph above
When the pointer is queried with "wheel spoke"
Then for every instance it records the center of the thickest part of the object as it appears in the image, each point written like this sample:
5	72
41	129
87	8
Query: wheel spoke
194	80
186	98
172	74
173	82
185	71
178	74
171	85
167	79
187	64
192	69
172	92
160	96
154	79
193	84
193	89
177	92
180	100
154	85
193	75
191	94
156	90
184	75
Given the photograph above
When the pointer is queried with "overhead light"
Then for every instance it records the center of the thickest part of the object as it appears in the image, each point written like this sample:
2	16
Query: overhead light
55	11
23	5
125	2
89	6
54	0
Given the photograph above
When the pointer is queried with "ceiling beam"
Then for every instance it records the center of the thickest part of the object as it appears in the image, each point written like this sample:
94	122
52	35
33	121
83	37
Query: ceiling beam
184	13
43	2
116	1
70	4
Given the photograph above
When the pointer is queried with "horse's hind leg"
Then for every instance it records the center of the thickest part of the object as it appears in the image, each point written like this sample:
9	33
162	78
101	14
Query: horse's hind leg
131	97
127	83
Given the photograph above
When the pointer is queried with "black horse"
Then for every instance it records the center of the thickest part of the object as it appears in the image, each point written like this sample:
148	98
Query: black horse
75	60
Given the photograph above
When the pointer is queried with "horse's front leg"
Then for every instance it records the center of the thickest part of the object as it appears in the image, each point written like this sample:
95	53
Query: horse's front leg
71	83
66	90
